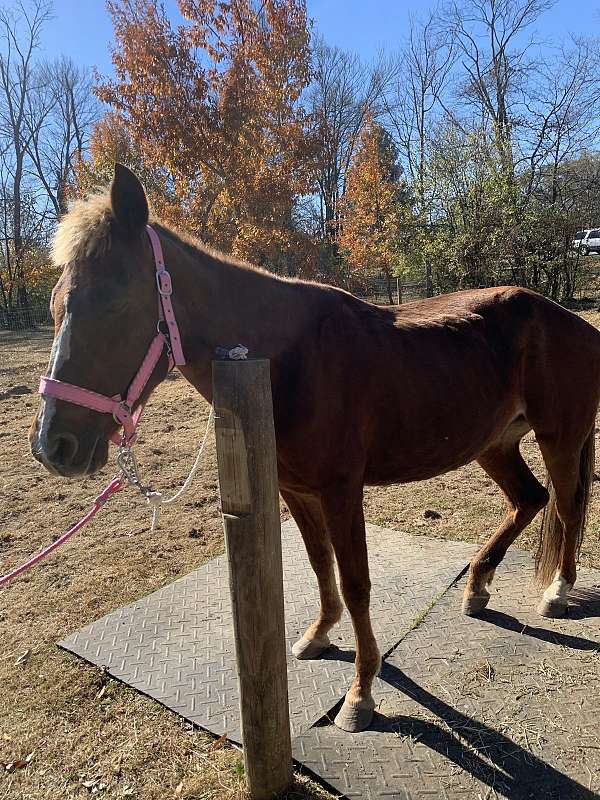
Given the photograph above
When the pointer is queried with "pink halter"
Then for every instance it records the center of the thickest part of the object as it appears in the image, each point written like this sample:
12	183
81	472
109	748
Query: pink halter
121	407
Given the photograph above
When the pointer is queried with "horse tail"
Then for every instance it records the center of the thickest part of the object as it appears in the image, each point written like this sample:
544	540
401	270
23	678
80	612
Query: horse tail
549	549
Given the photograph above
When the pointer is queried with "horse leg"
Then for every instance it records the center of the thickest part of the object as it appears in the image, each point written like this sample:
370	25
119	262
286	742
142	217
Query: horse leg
346	525
306	510
570	468
524	496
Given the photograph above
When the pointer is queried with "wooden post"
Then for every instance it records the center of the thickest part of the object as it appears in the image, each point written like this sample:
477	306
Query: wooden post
247	462
429	280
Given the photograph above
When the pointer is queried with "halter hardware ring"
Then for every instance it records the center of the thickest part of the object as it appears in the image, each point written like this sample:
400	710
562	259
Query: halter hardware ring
123	409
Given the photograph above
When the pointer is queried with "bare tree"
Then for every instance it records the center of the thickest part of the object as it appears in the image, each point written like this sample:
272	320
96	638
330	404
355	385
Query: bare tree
421	76
60	120
344	91
422	70
562	116
19	79
493	43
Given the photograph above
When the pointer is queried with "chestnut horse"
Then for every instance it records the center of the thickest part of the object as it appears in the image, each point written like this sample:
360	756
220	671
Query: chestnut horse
361	395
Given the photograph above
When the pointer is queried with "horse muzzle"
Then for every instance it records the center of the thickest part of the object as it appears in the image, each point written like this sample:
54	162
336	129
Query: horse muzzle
65	454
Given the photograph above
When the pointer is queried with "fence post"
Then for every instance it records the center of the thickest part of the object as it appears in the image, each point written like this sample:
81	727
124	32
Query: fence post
429	280
246	456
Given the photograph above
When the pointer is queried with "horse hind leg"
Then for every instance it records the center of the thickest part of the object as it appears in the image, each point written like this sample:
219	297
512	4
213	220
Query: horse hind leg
524	496
570	466
306	510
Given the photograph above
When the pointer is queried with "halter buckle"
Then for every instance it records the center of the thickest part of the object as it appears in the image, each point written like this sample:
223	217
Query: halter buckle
163	283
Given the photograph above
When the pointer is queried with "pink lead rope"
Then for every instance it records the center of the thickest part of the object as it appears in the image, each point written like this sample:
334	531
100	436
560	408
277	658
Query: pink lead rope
120	407
113	487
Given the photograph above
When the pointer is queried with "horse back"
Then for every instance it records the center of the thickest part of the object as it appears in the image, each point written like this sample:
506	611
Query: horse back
410	392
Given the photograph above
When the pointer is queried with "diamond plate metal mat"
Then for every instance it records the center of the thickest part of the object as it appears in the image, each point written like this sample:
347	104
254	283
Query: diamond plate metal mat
177	644
502	706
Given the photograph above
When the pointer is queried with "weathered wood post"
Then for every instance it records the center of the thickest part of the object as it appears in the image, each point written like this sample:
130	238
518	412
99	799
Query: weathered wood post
247	462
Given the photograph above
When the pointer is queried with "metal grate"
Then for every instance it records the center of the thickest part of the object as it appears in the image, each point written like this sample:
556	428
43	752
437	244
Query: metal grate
506	705
176	645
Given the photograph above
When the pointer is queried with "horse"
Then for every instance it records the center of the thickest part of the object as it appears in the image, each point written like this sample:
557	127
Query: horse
362	395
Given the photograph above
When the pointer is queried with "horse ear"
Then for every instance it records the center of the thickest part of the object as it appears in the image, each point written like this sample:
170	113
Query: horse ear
128	201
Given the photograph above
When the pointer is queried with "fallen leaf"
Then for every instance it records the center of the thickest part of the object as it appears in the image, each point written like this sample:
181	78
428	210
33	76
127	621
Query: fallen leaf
101	692
19	763
219	742
179	789
22	659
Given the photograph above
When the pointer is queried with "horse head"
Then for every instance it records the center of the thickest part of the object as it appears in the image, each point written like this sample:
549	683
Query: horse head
104	307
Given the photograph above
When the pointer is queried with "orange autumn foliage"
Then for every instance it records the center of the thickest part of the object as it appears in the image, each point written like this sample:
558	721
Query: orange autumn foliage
215	102
374	209
111	142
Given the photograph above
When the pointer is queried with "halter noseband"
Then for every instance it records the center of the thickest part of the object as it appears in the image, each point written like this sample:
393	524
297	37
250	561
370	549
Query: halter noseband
121	407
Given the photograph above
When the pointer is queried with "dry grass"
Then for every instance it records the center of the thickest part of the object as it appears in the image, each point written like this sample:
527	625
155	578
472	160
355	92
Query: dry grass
90	735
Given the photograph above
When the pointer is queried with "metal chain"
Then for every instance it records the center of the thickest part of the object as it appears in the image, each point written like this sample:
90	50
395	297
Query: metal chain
129	470
127	462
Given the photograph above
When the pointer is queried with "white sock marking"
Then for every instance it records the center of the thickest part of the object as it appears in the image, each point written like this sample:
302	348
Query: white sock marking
60	353
558	590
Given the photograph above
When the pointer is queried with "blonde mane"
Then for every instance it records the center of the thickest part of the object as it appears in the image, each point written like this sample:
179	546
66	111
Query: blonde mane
84	231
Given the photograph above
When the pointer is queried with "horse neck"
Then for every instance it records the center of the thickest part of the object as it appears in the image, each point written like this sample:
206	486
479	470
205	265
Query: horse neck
220	304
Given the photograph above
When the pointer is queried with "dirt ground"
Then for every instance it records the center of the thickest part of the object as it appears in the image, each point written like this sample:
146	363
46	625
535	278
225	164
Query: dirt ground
66	729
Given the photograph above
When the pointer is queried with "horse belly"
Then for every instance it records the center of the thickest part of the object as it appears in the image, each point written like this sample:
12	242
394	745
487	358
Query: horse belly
420	460
436	434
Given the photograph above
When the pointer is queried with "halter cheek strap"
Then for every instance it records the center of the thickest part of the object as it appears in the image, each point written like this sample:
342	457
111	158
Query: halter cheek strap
121	407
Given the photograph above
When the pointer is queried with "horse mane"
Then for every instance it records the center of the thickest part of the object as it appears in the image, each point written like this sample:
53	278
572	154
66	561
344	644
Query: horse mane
84	231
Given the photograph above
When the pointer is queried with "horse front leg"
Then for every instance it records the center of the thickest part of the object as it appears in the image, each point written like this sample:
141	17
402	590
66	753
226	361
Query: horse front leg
306	510
346	525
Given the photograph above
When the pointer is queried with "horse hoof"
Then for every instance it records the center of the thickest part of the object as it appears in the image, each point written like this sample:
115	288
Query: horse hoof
474	603
310	648
552	608
355	718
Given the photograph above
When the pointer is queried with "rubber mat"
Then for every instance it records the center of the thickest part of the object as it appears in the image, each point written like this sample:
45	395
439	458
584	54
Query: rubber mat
504	705
177	645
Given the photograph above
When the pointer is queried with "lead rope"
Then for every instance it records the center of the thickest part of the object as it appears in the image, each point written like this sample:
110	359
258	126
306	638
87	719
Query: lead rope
129	469
128	465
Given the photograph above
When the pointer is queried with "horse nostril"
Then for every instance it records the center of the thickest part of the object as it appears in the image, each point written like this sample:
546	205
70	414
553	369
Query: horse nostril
63	448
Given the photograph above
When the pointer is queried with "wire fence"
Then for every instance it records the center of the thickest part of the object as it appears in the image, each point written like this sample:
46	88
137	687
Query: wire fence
378	291
36	313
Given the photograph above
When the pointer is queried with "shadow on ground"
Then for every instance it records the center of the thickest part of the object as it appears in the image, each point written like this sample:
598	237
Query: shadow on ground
485	753
507	768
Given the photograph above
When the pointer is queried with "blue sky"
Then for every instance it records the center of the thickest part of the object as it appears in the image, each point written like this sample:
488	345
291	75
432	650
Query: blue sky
82	28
